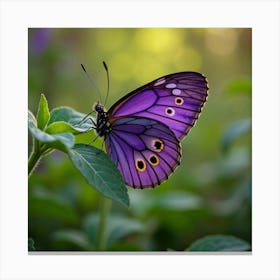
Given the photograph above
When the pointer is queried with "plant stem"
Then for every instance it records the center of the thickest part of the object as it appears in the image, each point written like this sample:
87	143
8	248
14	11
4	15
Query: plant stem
33	160
105	205
37	153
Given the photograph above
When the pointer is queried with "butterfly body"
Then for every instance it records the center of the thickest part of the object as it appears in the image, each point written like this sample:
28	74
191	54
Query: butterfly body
102	128
143	130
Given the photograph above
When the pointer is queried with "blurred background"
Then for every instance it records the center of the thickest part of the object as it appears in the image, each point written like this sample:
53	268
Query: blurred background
210	192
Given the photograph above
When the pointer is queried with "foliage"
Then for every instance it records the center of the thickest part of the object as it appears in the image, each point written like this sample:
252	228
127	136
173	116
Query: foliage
217	242
204	206
57	133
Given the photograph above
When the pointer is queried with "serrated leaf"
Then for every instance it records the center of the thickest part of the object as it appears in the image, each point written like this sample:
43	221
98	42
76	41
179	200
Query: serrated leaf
43	114
236	130
61	141
99	171
218	242
72	117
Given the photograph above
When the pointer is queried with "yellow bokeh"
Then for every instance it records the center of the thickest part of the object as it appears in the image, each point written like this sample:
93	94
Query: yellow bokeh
188	58
158	40
222	41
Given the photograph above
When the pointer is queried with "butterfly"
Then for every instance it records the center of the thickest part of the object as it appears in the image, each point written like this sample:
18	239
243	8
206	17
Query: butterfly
143	130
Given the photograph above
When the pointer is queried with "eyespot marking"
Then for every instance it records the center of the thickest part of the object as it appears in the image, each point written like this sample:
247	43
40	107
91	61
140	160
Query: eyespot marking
158	145
160	82
176	91
170	111
179	101
140	165
171	85
154	160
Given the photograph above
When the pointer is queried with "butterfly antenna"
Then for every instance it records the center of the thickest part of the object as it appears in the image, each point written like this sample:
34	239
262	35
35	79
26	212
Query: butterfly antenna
92	81
108	84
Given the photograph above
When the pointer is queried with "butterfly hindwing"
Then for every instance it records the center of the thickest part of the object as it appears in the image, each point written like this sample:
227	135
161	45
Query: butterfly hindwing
145	151
175	100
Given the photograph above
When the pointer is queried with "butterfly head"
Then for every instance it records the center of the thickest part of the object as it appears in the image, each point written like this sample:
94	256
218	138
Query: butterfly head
99	108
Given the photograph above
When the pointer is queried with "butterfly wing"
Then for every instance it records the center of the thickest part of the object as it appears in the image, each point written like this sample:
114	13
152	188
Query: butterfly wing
145	151
175	100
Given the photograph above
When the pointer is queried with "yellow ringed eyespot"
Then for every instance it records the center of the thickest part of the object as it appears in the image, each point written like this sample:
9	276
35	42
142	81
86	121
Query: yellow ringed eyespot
158	145
154	160
140	165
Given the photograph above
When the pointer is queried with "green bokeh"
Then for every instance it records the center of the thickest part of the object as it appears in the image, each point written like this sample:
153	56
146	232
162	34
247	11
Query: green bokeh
209	193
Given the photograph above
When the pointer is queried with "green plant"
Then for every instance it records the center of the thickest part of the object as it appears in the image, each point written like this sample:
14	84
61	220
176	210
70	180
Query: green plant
57	130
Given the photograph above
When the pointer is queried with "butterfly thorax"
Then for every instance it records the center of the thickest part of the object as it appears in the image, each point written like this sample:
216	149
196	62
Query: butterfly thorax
102	125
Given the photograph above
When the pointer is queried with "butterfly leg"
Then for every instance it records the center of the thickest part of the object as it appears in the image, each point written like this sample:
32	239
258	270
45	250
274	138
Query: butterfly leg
93	123
85	119
92	126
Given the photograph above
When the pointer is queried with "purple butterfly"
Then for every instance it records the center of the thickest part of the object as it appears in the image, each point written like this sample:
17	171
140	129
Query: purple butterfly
143	130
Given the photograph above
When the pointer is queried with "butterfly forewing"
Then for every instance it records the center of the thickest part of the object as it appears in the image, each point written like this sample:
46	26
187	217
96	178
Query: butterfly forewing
175	100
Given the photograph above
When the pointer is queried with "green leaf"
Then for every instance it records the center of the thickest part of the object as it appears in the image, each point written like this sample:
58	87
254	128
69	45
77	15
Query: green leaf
43	114
32	122
171	201
59	127
72	117
239	86
75	237
99	171
45	206
218	242
235	131
178	200
61	141
90	226
117	227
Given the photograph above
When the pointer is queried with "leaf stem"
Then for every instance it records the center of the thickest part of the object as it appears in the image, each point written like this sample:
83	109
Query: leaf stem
37	153
105	205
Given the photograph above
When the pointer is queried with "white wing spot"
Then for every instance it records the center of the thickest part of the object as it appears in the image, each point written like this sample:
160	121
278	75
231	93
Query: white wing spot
176	91
169	111
160	82
172	85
